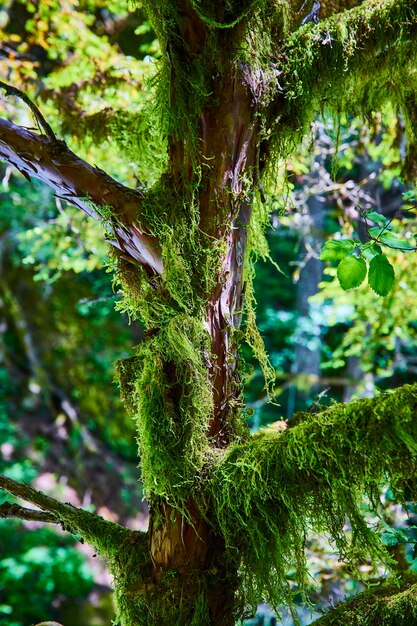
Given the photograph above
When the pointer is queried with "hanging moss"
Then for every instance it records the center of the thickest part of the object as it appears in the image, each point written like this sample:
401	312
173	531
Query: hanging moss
172	417
267	493
393	603
218	35
353	62
252	335
190	258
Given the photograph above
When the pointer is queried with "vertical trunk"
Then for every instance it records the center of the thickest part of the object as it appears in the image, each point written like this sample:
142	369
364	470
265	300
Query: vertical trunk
192	579
307	350
185	550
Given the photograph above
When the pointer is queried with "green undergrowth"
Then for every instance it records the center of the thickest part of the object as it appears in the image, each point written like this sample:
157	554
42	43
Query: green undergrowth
392	603
269	492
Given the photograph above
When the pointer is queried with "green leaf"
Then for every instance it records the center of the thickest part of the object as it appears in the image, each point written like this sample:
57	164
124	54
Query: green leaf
391	239
409	196
389	539
369	251
381	275
351	272
376	217
335	250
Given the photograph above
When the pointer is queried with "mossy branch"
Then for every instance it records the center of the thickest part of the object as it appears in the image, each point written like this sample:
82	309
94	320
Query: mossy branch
267	493
353	61
12	510
393	603
106	537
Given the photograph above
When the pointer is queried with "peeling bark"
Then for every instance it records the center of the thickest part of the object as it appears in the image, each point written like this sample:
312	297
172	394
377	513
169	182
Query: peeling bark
228	139
86	187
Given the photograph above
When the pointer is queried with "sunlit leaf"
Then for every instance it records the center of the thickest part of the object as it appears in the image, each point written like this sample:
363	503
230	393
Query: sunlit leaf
376	217
351	272
381	275
390	239
389	539
369	252
335	250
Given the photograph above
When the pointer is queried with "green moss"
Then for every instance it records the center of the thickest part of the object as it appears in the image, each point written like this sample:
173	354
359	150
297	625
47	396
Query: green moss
130	566
191	259
352	62
168	387
268	492
392	603
252	335
201	44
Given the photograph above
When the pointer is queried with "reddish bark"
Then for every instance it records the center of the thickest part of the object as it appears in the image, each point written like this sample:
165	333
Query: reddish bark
84	186
228	136
229	140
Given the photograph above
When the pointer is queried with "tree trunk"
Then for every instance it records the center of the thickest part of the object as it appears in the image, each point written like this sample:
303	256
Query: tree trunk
307	350
192	578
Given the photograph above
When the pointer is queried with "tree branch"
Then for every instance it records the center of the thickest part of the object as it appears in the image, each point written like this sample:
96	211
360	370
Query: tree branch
354	59
103	535
267	493
392	602
13	91
86	187
10	509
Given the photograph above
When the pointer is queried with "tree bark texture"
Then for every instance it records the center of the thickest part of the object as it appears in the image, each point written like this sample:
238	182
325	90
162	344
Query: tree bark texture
84	186
189	547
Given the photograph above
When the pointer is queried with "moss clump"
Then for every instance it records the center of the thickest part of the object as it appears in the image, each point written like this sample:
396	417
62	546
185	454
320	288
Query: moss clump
130	565
393	603
168	387
191	259
268	492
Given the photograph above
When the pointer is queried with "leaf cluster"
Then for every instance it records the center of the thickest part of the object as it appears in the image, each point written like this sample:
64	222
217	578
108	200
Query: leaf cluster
352	255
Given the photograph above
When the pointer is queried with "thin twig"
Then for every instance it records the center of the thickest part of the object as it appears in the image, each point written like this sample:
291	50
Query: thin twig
387	225
302	6
14	91
10	509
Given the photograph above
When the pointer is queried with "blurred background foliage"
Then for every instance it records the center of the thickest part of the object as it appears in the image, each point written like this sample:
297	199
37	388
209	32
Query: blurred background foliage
91	69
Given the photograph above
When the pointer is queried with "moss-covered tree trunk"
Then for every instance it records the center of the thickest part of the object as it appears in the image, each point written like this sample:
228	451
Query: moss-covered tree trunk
194	579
